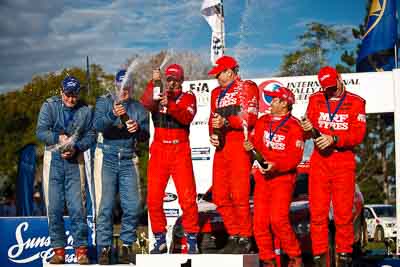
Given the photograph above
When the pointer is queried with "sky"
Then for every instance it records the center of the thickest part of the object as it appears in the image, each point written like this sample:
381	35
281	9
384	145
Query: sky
43	36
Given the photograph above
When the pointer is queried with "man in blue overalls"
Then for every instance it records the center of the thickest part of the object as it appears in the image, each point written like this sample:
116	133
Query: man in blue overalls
119	122
65	126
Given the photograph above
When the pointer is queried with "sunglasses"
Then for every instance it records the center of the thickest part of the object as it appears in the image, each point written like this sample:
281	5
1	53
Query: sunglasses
70	94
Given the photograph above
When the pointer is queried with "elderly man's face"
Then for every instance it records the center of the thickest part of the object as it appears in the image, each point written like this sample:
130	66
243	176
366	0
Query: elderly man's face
69	100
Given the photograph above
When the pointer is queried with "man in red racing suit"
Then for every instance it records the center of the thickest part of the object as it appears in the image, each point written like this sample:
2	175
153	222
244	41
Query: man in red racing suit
279	138
170	155
339	117
233	104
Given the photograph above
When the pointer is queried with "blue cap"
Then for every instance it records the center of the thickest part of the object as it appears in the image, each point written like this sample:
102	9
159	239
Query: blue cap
119	77
71	85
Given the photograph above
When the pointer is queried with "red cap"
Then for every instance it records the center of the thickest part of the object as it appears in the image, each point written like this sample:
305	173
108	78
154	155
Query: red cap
175	71
223	63
282	93
327	77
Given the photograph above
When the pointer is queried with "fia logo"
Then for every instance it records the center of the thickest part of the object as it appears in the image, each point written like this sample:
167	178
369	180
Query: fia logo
200	87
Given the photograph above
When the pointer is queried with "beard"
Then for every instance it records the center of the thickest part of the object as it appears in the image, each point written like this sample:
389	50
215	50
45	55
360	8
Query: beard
331	91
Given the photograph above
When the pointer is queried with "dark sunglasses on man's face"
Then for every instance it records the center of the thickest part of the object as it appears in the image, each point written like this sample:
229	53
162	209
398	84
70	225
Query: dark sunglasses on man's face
70	95
171	79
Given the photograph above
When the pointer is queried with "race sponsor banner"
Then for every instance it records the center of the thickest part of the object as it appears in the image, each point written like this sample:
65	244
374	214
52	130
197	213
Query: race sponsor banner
25	241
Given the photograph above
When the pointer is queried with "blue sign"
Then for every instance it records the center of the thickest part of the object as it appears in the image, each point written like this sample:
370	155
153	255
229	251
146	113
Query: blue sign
25	241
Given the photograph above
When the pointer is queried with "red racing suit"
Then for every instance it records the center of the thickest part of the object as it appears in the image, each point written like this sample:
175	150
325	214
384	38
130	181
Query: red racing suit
170	155
231	165
280	140
332	171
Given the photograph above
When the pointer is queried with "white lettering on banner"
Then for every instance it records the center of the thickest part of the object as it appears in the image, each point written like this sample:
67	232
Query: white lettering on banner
338	122
277	142
15	251
303	89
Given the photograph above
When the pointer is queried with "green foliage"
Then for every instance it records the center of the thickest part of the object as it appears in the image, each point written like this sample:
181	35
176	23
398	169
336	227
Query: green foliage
372	191
315	44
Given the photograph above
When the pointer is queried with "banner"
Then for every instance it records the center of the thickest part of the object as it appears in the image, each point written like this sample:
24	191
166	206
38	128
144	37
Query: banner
25	241
213	13
25	180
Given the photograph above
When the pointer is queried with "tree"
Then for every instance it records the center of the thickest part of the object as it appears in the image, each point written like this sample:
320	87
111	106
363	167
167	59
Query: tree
315	44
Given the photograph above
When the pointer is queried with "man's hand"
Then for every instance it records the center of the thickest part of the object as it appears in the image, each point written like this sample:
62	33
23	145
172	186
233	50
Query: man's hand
119	110
62	138
248	145
324	141
68	154
132	126
163	100
156	74
214	140
306	124
268	169
217	121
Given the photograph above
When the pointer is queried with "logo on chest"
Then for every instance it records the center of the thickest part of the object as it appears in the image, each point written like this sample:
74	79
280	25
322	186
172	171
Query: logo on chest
277	142
228	99
339	121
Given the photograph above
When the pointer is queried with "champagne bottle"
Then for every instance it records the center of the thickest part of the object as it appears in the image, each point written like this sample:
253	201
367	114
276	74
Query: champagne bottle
158	89
221	137
315	133
259	158
124	118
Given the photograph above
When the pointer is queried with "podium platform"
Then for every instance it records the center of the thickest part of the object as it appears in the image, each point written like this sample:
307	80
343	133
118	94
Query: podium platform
199	260
185	260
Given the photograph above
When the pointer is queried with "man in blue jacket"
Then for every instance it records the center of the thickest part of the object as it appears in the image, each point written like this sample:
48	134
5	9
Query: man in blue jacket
119	122
65	126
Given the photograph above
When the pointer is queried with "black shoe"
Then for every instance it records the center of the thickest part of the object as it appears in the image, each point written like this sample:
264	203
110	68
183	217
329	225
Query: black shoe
126	255
319	260
343	260
105	255
231	246
269	263
243	246
160	247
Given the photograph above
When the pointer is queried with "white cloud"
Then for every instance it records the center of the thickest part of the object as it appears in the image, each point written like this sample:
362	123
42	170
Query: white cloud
51	35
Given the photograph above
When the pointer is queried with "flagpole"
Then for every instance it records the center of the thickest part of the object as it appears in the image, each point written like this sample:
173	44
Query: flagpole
223	27
395	55
88	75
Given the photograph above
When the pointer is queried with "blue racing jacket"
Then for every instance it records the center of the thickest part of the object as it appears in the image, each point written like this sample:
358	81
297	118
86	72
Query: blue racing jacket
56	119
113	133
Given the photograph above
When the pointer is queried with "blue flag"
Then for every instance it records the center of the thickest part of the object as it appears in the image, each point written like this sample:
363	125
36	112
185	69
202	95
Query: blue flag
378	43
25	179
